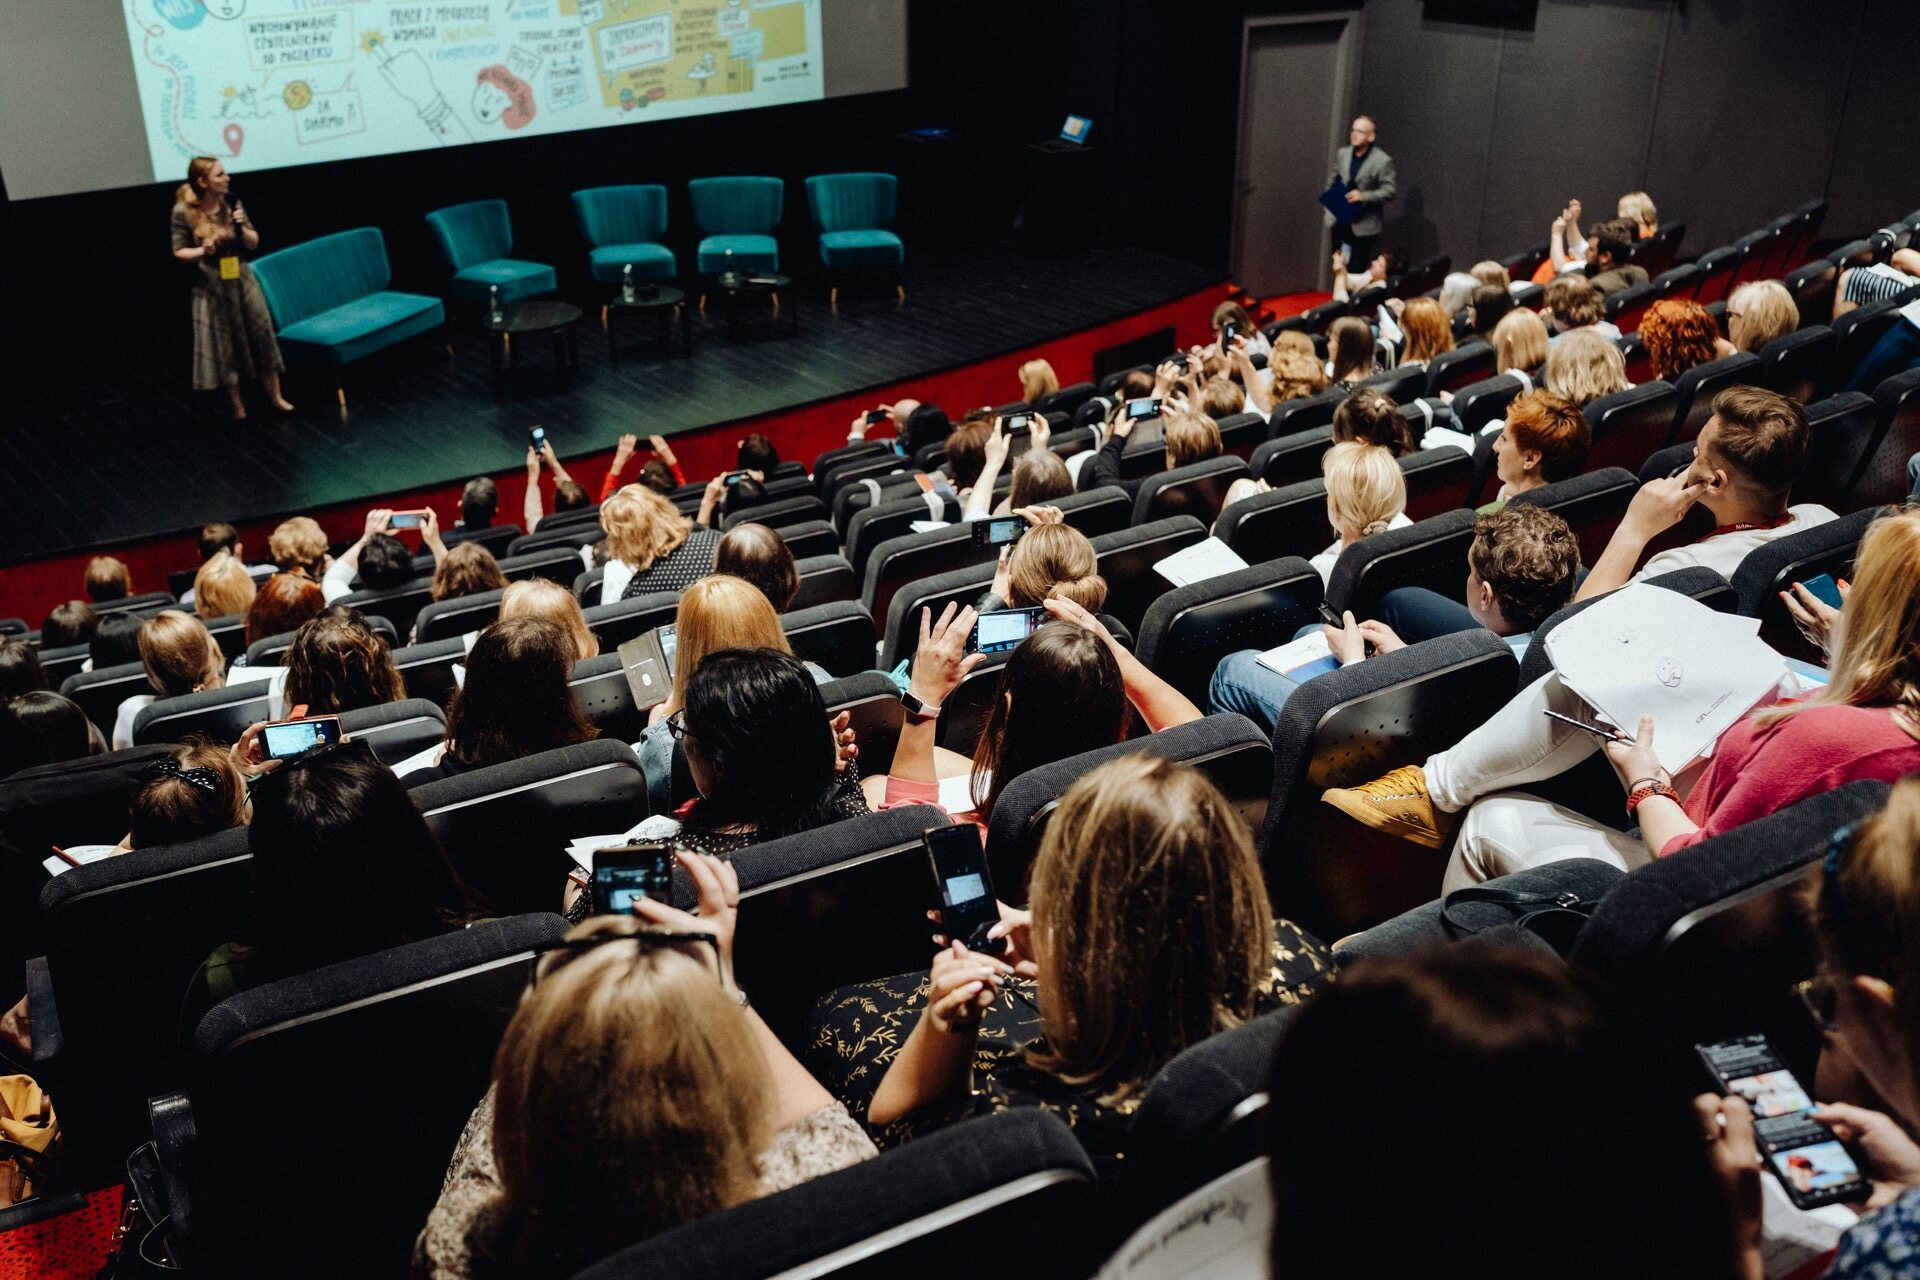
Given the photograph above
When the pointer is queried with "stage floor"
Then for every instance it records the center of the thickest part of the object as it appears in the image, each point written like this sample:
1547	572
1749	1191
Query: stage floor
153	460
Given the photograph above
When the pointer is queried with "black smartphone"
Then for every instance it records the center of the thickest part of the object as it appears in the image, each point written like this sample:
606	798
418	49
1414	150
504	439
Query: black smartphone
1597	730
1825	590
1015	423
1228	332
1328	616
735	477
624	874
407	520
967	906
1004	629
1138	410
1813	1165
998	531
537	436
876	416
291	739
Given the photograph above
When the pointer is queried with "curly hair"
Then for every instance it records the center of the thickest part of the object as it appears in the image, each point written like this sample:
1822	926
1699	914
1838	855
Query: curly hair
338	663
1679	336
1529	556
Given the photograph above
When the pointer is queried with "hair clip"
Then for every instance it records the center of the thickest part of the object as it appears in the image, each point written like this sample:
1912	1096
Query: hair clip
208	780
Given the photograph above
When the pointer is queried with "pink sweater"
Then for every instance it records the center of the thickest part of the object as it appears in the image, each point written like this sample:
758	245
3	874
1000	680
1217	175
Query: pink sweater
1758	769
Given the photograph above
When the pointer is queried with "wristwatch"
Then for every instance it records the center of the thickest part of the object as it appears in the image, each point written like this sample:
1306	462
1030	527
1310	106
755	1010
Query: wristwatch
918	709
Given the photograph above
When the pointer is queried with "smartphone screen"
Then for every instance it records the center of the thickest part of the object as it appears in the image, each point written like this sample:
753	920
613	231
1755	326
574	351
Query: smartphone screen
406	520
998	531
876	416
291	739
1141	409
1228	332
1825	589
538	436
625	874
1016	422
669	640
1004	629
967	906
735	477
1812	1164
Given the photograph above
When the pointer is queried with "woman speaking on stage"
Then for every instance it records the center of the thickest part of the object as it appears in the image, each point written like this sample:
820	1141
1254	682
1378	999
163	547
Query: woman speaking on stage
232	331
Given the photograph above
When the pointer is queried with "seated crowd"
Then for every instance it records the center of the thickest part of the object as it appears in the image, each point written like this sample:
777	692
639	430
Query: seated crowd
1148	921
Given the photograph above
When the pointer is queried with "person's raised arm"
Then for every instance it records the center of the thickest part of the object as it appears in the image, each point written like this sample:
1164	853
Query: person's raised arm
1259	390
430	536
1340	293
337	581
939	664
1104	466
1659	505
622	453
664	451
1160	704
531	511
979	501
552	459
710	500
936	1062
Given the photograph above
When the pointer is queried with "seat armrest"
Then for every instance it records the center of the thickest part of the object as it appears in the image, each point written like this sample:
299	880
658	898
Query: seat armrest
44	1015
171	1118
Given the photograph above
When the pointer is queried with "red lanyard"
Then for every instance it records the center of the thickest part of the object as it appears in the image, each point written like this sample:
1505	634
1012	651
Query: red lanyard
1745	525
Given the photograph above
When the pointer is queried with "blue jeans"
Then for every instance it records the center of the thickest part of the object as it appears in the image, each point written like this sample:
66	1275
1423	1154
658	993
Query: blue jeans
1913	478
1417	614
1896	352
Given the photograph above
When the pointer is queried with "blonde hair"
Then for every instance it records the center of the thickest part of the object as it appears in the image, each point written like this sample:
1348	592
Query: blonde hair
642	526
108	579
1765	311
1365	487
629	1097
540	598
1876	647
222	587
1295	375
1491	272
1429	331
298	545
1638	205
1055	560
720	612
1294	340
1037	379
1150	923
1519	340
179	654
1584	366
1222	397
1039	476
188	194
1190	437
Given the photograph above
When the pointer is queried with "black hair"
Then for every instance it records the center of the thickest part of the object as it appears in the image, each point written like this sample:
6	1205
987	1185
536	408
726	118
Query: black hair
658	476
1060	694
1489	304
516	701
69	624
39	727
571	495
20	670
758	454
742	494
478	501
344	864
116	642
761	725
385	562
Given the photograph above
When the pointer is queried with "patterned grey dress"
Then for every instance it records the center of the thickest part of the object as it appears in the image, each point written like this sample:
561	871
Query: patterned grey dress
232	329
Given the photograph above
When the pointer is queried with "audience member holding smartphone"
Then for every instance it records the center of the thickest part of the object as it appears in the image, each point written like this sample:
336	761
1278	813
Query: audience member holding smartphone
999	444
661	473
1864	723
1398	1144
632	1051
568	493
650	546
378	559
180	656
715	613
515	702
1065	690
1148	931
338	663
1051	558
343	866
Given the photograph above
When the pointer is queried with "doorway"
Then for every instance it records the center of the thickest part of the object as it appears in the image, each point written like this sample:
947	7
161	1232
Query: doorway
1297	84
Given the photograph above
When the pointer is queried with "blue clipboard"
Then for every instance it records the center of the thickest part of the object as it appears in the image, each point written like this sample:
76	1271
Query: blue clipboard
1335	199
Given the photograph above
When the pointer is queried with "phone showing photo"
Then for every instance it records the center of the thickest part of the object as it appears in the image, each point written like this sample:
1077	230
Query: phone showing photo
407	520
1017	423
960	875
291	739
625	874
1814	1167
998	531
1825	590
1228	332
537	436
1140	410
1004	629
876	416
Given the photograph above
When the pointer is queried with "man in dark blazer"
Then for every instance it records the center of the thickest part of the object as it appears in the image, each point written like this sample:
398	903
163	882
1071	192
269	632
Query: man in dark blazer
1368	173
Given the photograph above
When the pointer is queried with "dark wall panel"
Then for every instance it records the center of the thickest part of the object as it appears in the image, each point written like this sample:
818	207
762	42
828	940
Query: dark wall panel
1876	161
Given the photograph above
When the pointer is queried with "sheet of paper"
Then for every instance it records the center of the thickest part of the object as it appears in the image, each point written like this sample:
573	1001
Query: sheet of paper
1197	563
956	793
1645	650
658	827
1219	1232
1302	659
84	854
927	526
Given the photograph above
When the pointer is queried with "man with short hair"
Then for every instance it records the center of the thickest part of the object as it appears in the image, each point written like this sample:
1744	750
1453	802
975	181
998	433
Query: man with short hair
478	502
1573	303
1371	182
1521	567
1608	251
1744	464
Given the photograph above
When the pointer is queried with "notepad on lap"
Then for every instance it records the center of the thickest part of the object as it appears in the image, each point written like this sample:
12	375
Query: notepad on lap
1301	660
1197	563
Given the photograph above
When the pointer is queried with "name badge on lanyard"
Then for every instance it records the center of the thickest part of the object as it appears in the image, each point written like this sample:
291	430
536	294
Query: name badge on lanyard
230	267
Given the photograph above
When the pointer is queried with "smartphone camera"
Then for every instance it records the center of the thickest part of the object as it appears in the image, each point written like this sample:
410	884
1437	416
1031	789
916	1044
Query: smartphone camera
1140	410
538	436
876	416
967	906
998	531
1005	629
1228	332
291	739
407	520
625	874
1015	423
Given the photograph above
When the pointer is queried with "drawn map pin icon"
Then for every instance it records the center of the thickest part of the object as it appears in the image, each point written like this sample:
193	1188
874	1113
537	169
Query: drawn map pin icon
234	135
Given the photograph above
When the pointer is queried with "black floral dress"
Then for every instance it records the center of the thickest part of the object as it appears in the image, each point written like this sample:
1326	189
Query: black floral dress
858	1030
232	328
